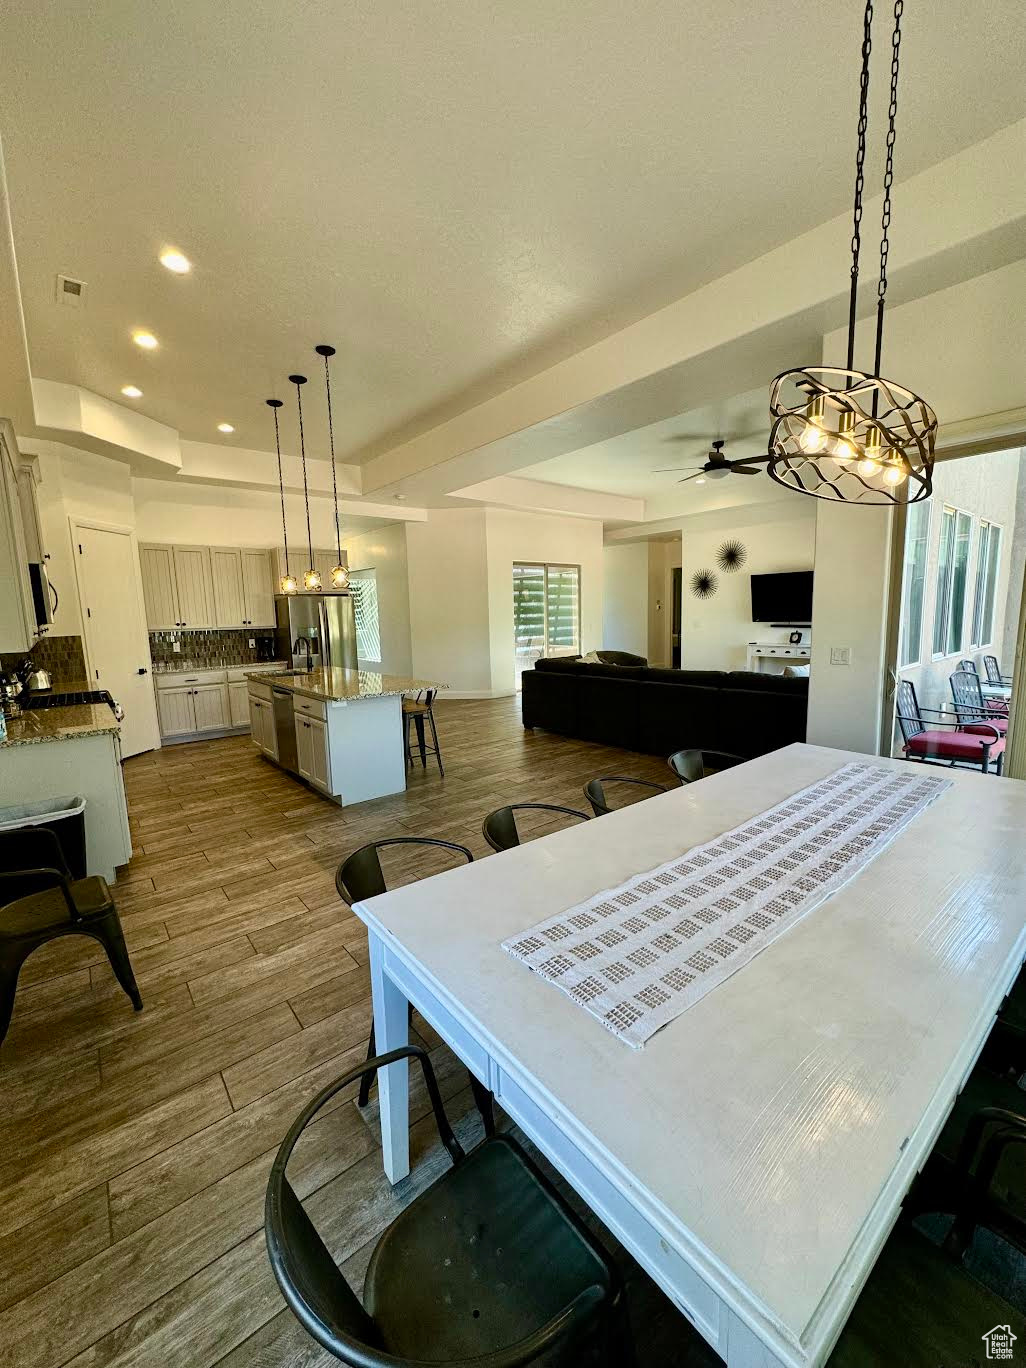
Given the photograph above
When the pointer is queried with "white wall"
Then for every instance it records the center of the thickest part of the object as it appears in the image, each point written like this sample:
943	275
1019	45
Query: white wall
214	516
515	537
448	580
778	537
384	551
625	598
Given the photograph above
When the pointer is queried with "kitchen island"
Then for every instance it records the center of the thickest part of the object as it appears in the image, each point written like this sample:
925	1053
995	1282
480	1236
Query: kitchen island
75	750
340	730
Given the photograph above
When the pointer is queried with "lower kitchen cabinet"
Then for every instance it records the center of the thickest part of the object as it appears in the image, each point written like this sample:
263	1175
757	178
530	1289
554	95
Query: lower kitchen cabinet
175	711
193	709
314	760
261	726
211	706
238	704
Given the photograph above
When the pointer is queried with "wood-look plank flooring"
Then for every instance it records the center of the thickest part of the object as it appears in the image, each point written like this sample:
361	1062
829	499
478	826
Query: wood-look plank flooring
136	1147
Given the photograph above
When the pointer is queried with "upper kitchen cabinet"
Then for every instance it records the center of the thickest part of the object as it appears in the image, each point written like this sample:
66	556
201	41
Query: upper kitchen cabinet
258	588
17	614
242	587
177	586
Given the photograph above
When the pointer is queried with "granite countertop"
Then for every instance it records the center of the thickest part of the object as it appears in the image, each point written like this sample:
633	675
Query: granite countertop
261	666
342	686
60	724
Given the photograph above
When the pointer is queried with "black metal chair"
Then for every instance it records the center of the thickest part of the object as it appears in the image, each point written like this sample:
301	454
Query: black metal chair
969	666
360	877
49	904
926	740
418	711
488	1267
595	793
994	675
970	704
691	765
499	828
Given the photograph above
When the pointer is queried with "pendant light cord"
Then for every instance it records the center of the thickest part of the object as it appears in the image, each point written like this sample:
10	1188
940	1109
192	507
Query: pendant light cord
302	452
275	405
860	163
331	443
885	221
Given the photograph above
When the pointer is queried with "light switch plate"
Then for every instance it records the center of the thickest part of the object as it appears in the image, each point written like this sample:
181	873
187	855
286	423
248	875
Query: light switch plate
840	655
176	646
252	642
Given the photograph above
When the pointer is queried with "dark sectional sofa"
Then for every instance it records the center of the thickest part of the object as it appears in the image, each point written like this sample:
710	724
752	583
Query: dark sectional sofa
644	708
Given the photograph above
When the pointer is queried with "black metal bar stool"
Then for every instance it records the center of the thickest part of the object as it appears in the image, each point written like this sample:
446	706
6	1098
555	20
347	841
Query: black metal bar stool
418	711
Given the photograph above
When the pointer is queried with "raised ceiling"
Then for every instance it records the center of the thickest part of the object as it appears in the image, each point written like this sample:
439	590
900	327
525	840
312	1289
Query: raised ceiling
454	195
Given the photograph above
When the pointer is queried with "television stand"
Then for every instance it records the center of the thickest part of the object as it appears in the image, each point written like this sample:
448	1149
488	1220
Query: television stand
763	655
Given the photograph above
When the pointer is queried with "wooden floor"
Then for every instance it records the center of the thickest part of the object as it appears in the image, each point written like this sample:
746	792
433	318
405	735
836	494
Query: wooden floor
136	1147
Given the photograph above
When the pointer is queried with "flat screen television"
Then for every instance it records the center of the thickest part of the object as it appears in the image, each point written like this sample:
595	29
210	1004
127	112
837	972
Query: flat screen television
784	598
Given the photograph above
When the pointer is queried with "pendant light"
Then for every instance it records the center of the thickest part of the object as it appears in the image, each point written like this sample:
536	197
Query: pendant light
840	433
339	575
287	584
312	578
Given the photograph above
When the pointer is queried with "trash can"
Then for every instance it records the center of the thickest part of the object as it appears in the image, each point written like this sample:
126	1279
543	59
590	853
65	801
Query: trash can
65	817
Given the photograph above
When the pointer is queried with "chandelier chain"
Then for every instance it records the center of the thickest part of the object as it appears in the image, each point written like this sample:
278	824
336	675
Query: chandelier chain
331	444
860	179
892	112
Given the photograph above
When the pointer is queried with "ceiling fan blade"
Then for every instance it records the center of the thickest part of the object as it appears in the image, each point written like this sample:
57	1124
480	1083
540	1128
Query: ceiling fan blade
693	437
744	470
692	477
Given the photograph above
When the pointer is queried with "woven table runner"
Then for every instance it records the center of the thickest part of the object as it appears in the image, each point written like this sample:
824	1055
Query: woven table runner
637	956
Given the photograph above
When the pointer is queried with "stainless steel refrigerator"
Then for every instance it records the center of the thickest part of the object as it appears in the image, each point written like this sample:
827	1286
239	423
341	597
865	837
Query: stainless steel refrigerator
323	624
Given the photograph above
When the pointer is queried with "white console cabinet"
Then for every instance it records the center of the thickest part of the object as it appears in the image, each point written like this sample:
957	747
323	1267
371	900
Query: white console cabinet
770	657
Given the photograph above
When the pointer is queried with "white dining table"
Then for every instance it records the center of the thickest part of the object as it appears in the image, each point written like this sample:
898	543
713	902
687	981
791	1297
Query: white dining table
753	1157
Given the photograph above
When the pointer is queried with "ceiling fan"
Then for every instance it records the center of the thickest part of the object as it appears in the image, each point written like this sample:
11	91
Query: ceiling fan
717	465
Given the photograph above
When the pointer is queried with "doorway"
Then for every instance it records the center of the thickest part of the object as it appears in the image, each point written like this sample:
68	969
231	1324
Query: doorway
114	627
675	642
961	579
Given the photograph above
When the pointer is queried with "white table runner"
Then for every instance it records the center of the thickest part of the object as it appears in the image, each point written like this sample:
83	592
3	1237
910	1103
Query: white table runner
637	956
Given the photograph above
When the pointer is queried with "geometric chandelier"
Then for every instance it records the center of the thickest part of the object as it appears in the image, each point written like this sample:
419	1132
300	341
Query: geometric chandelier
840	433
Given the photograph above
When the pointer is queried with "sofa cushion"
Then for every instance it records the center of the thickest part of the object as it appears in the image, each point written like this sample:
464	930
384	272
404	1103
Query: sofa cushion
679	716
754	681
712	679
559	664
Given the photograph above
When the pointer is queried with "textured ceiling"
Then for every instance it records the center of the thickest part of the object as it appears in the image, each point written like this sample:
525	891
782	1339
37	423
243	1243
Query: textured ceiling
453	194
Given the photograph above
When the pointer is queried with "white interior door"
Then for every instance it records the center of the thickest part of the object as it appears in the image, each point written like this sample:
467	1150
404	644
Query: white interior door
117	647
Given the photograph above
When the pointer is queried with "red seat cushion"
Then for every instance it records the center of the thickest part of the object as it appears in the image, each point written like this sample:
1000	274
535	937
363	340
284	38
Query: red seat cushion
953	745
998	722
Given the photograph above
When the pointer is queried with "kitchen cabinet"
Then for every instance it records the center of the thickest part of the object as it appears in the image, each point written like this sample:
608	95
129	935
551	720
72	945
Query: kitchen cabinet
226	572
242	587
261	724
211	707
313	760
175	712
238	704
17	612
257	588
177	586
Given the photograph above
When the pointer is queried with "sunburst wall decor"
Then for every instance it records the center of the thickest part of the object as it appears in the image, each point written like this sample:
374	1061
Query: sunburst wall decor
731	556
703	584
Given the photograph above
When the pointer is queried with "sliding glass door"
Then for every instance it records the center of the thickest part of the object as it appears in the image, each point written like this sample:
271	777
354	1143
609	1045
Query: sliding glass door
546	613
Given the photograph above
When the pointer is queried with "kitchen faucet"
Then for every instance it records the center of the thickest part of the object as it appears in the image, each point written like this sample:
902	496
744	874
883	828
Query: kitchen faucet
299	645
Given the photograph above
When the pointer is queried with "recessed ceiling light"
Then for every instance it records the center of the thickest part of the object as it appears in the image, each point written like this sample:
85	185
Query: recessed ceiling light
175	261
225	427
700	480
131	391
145	340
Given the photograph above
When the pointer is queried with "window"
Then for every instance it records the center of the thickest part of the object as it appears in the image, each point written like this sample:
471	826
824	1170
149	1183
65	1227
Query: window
988	560
546	612
363	586
952	570
913	585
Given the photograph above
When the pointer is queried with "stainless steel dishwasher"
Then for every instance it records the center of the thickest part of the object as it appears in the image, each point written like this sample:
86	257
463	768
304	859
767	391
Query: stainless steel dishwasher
285	729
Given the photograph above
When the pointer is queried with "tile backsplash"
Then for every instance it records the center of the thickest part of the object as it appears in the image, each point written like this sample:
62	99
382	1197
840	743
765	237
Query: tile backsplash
62	656
209	650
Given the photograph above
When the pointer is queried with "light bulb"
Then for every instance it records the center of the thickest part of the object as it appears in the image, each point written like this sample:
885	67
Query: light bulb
812	439
844	451
895	472
312	579
145	340
175	261
340	577
288	584
868	467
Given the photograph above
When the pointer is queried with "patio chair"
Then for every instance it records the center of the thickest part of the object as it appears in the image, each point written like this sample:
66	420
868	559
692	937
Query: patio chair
971	706
942	741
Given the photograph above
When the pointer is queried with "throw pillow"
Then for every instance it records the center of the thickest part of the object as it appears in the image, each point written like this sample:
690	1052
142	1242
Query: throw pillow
796	671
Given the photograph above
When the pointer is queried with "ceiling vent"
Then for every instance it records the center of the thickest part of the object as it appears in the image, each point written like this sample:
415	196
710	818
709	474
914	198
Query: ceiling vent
70	291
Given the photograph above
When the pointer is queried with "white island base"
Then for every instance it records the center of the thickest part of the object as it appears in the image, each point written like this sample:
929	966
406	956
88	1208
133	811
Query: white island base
340	730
